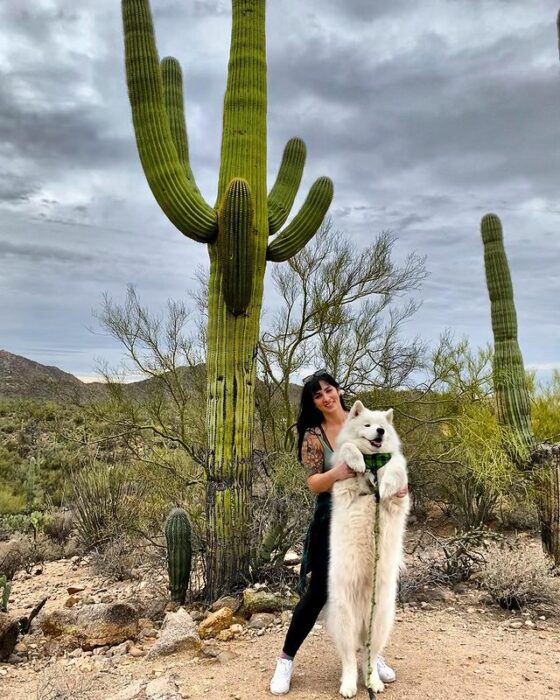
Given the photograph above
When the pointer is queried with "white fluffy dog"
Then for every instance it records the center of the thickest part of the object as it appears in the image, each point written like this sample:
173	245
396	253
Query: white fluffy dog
353	544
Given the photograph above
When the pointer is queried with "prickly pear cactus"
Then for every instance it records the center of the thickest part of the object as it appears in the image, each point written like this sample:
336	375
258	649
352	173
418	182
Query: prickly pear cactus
179	553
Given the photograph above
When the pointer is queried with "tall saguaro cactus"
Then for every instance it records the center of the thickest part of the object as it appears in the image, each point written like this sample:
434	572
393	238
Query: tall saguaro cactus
510	386
236	231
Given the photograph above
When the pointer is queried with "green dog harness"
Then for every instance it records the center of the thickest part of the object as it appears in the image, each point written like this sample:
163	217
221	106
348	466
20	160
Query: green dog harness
373	464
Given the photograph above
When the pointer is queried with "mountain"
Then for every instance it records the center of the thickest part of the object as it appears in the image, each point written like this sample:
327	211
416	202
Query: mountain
21	378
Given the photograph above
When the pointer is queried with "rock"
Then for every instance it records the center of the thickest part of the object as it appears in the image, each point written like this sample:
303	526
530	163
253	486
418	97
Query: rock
259	621
120	649
131	692
435	595
516	624
215	622
148	633
530	624
197	615
162	688
92	626
236	628
9	631
461	588
227	601
71	601
178	633
72	590
263	601
286	617
136	652
292	558
226	635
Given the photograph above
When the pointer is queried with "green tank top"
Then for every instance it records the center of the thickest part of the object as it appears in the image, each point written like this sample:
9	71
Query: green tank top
328	452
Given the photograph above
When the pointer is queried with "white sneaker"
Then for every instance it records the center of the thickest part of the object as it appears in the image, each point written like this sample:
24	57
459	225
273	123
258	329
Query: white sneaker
280	683
386	673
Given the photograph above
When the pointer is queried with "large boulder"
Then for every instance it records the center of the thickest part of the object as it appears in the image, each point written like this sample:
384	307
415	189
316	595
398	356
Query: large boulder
101	624
9	630
178	633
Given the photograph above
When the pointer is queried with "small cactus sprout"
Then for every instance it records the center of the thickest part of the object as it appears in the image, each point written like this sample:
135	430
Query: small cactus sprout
179	553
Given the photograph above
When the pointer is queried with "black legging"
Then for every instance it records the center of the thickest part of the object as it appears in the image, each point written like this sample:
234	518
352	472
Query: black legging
311	603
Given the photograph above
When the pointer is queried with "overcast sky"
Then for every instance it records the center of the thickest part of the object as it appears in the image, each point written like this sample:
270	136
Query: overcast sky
425	114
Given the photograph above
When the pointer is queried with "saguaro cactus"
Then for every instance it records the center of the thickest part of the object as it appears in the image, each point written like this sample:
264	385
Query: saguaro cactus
510	385
236	230
179	553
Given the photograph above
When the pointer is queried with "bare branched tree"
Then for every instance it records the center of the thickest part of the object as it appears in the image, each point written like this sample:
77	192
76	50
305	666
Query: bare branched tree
343	308
166	405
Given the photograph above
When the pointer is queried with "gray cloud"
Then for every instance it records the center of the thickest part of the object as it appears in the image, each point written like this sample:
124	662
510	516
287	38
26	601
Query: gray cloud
425	115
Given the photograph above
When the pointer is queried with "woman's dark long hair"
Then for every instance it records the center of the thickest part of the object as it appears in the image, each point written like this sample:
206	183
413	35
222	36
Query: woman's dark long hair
309	415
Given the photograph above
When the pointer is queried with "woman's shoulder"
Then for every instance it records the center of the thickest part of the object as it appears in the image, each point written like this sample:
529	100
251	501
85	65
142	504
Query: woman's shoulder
312	432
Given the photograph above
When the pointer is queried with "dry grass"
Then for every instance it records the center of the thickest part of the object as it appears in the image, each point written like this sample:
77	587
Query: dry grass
520	576
58	683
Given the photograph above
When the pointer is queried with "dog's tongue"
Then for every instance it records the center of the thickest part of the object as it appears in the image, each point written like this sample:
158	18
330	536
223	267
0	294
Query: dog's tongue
376	443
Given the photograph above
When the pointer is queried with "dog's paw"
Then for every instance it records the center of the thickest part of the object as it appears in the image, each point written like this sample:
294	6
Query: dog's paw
351	455
392	484
377	685
348	689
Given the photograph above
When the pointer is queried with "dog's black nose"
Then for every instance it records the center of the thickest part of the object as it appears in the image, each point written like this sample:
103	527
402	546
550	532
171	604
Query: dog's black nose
380	431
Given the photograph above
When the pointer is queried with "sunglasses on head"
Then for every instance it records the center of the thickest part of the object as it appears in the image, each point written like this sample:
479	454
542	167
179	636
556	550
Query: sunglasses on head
315	375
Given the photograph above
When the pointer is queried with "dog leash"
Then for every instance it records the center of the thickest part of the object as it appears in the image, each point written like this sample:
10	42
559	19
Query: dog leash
373	464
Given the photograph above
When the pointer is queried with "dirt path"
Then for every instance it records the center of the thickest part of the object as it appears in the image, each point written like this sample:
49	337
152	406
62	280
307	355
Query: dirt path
454	652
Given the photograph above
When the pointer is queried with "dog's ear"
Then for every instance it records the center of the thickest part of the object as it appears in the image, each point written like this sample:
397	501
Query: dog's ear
389	416
356	409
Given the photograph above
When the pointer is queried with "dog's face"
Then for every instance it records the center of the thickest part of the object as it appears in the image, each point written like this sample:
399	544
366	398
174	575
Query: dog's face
371	431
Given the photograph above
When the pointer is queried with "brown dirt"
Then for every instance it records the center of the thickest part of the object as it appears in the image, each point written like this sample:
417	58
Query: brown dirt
453	650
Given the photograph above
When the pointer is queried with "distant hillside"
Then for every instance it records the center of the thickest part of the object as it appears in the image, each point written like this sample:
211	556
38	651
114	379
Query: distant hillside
21	378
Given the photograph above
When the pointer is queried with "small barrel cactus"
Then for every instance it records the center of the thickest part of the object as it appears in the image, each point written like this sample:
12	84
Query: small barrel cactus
179	553
6	587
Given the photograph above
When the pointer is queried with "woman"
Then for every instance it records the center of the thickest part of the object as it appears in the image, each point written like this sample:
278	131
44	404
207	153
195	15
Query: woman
321	415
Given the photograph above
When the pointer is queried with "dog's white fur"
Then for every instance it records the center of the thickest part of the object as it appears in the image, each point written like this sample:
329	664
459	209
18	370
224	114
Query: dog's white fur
352	544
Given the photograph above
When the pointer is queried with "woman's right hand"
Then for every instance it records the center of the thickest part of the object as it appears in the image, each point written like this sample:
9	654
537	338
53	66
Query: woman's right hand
343	471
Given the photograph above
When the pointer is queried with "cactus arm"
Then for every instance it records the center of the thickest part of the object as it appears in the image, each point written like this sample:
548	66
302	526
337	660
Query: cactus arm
236	245
164	171
283	193
172	78
510	385
305	224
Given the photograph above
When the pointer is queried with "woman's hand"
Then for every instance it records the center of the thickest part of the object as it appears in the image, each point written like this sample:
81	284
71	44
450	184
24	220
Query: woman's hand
343	471
402	493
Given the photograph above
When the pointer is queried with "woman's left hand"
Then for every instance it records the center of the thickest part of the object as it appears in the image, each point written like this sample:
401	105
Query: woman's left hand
402	493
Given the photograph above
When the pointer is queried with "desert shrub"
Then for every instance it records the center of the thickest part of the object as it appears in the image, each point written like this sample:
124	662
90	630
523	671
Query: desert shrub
58	525
282	507
19	554
59	683
519	512
119	559
445	561
481	471
104	499
519	576
545	408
